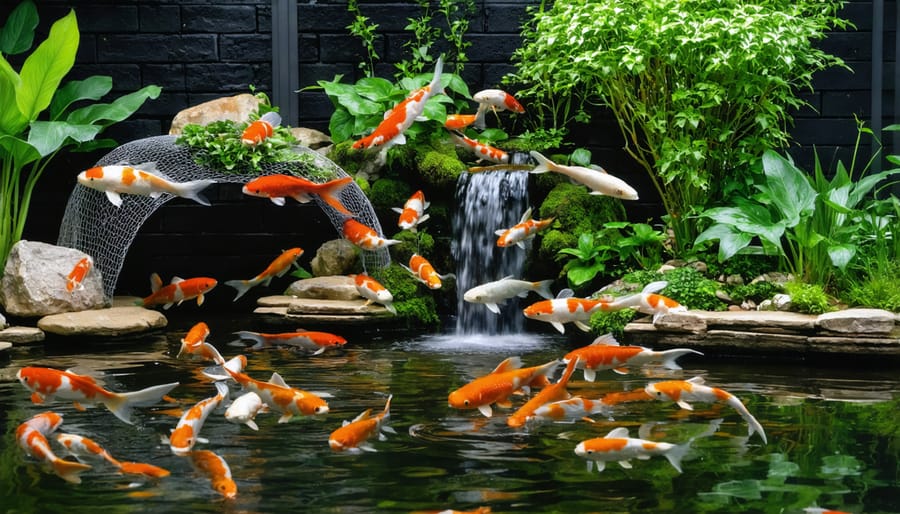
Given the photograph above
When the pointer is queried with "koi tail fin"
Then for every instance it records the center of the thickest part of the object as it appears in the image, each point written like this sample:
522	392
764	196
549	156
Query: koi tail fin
677	453
669	357
272	118
253	336
69	470
543	164
242	286
330	191
122	404
191	190
479	117
752	424
543	288
436	86
390	307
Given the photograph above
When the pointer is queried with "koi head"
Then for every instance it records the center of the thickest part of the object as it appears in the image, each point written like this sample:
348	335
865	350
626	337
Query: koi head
310	404
182	440
540	310
225	486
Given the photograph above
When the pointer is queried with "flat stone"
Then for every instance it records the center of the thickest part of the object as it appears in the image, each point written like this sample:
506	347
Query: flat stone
115	321
311	138
758	320
681	322
5	346
22	335
275	301
858	321
333	307
334	287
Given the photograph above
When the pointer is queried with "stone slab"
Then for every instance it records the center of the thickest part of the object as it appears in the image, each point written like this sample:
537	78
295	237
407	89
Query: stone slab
5	346
334	287
115	321
333	307
858	321
758	320
22	335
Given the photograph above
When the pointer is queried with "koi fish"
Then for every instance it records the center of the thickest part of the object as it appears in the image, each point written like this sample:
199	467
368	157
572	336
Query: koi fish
492	293
353	434
425	273
648	302
244	409
177	291
565	309
194	345
32	437
597	180
143	469
551	393
306	340
82	447
365	237
497	386
373	291
681	391
76	276
278	187
217	373
483	151
411	215
568	409
186	432
605	353
397	120
46	384
526	229
820	510
461	121
217	470
261	129
480	510
495	100
616	446
139	180
277	268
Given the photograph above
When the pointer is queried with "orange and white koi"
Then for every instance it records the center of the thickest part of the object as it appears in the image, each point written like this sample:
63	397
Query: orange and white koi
177	291
484	509
682	391
261	129
82	447
194	345
143	469
187	432
306	340
526	229
569	409
76	276
277	268
216	469
411	215
278	187
364	236
616	446
820	510
566	309
397	120
483	151
244	408
648	302
605	353
373	291
353	435
461	121
46	384
495	100
425	273
492	293
139	180
32	437
597	180
552	393
497	386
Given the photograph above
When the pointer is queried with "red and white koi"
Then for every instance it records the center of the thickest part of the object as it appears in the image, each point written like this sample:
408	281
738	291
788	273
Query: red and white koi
492	293
32	437
566	309
597	180
306	340
526	229
353	435
76	276
648	302
364	236
373	291
605	353
552	393
616	446
142	180
278	187
412	213
143	469
820	510
425	273
177	291
186	433
683	391
216	469
495	100
497	386
277	268
244	408
261	129
46	384
397	120
483	151
461	121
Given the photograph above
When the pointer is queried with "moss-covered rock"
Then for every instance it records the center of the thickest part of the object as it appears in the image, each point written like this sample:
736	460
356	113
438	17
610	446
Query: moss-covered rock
386	193
419	242
349	159
414	303
440	170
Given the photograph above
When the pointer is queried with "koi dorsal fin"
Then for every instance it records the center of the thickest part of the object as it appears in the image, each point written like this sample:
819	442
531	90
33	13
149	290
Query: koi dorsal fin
155	282
526	216
508	365
363	415
565	293
697	380
655	287
277	380
606	340
618	432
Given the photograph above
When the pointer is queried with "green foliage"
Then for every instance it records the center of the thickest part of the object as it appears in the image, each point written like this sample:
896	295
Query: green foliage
699	89
808	298
428	30
420	242
386	193
588	259
366	32
757	292
38	118
418	309
690	288
748	266
440	170
879	290
611	322
638	243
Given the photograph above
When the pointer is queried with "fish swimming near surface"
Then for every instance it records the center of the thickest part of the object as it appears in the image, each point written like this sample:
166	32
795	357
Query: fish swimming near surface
412	213
307	340
552	393
497	386
278	187
373	291
397	120
649	302
47	384
194	345
82	447
569	409
353	435
75	279
616	446
492	293
597	180
143	469
495	100
364	236
483	151
216	469
32	437
177	291
261	129
141	179
566	309
425	273
278	267
526	229
244	408
461	121
187	432
605	353
683	391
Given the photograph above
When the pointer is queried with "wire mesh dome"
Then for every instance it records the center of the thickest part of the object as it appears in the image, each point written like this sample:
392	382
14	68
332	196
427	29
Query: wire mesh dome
94	225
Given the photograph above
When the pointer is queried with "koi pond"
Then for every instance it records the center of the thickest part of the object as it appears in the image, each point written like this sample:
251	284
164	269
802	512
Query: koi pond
833	434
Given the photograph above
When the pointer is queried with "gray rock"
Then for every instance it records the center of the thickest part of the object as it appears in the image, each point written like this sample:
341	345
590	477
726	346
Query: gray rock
782	302
115	321
335	257
22	335
681	322
775	277
34	281
4	346
2	321
857	321
311	138
233	108
335	287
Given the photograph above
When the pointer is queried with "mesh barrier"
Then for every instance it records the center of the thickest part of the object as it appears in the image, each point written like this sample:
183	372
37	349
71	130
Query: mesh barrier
105	232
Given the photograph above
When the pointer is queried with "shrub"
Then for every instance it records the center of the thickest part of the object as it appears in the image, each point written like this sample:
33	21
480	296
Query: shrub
808	298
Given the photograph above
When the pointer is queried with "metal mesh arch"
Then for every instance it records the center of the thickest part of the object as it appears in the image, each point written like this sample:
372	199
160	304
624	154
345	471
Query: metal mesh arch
95	226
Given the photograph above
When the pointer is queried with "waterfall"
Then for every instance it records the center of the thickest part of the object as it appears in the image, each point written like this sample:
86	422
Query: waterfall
485	203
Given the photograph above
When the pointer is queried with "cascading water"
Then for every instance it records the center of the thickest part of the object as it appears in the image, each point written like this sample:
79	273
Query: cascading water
487	202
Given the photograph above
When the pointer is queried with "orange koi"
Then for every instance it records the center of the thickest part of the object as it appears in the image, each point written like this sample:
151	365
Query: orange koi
480	510
32	437
177	291
605	353
425	273
616	446
277	268
411	215
497	100
143	469
47	383
139	180
820	510
526	229
461	121
397	120
306	340
81	447
217	470
365	237
76	276
551	393
278	187
186	433
373	291
483	151
648	302
565	309
497	386
261	129
194	345
353	434
568	409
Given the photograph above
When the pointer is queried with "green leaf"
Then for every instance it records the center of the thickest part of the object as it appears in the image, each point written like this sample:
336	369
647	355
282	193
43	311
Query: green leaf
841	254
435	110
456	84
787	188
11	120
49	136
731	240
581	157
21	152
120	109
340	126
17	34
45	68
579	274
91	88
493	135
373	88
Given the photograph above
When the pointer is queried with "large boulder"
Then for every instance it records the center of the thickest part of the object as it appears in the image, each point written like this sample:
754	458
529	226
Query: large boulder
234	108
335	257
35	277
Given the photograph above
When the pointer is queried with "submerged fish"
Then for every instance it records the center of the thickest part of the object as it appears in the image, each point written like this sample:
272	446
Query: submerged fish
216	469
492	293
32	437
616	446
306	340
187	432
353	435
244	408
497	386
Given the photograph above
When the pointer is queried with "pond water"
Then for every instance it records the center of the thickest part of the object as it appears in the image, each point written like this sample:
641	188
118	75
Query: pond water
833	435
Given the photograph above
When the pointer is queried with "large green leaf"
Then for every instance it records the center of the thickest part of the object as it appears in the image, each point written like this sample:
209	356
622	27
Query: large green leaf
374	88
579	274
787	188
341	125
21	152
45	68
731	240
91	88
49	136
865	184
750	218
841	254
435	110
17	34
118	110
11	120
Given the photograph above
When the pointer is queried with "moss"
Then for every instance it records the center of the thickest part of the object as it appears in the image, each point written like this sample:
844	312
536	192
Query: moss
347	158
611	322
440	170
386	193
808	298
417	308
363	185
553	240
419	242
690	288
762	290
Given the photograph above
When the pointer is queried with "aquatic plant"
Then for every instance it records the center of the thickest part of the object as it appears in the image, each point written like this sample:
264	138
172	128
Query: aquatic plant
576	212
808	298
417	309
427	32
612	322
686	285
38	118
